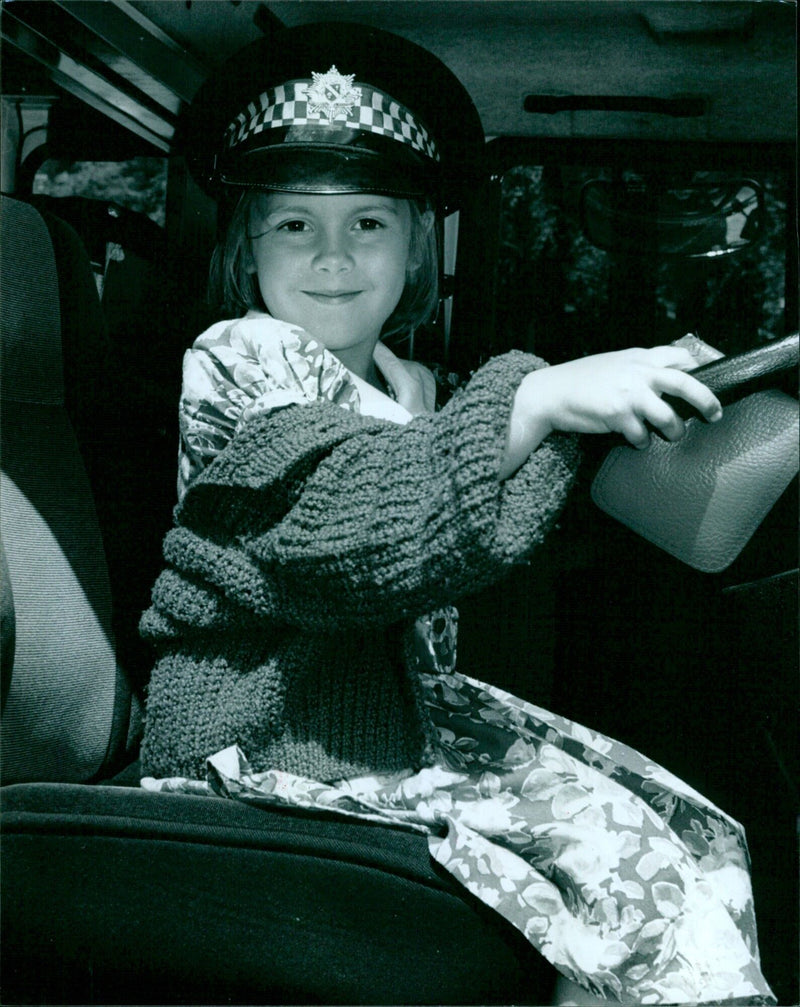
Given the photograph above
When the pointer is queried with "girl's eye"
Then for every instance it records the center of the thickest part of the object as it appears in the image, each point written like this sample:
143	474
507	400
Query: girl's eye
293	226
369	224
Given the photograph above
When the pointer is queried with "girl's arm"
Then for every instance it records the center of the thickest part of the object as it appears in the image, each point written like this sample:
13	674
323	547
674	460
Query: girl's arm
317	517
608	393
314	516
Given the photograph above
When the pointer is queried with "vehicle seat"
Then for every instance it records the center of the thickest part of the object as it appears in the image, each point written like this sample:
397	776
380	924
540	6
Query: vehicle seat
130	381
70	712
128	254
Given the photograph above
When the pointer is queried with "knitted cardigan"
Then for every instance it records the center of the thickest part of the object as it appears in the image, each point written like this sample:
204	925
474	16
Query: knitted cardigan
300	556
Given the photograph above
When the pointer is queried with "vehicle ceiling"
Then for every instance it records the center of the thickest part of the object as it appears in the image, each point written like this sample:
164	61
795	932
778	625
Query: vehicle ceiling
139	61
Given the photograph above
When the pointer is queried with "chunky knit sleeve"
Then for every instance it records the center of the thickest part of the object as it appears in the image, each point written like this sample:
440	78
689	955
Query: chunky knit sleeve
317	517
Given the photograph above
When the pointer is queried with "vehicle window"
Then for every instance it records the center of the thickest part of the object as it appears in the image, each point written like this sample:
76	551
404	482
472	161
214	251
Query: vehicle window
560	295
139	184
118	209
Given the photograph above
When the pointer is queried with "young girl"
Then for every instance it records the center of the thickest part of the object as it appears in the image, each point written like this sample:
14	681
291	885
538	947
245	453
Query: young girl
328	519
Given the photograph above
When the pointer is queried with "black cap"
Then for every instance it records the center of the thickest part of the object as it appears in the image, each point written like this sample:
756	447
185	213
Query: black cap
334	108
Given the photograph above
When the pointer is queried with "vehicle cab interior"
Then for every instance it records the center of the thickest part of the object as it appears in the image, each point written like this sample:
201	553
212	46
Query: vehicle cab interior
640	186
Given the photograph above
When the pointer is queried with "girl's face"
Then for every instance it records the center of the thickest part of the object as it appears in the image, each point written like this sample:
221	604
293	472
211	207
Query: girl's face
334	265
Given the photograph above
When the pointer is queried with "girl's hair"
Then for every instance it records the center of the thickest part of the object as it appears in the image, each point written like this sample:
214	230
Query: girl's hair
233	287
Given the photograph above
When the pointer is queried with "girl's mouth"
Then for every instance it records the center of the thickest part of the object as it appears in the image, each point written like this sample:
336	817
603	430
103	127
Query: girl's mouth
332	297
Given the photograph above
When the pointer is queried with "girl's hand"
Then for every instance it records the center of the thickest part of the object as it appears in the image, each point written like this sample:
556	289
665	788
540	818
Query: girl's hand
607	393
621	393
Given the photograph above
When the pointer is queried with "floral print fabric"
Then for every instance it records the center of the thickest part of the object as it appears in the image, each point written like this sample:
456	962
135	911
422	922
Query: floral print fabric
239	368
626	880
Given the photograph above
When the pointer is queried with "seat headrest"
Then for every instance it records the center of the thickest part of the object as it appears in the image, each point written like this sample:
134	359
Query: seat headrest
30	320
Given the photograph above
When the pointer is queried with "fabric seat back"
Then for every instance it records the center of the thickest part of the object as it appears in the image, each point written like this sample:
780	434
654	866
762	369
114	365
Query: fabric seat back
68	707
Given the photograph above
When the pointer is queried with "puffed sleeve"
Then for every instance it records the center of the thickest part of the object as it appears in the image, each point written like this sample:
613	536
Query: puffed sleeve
239	369
321	518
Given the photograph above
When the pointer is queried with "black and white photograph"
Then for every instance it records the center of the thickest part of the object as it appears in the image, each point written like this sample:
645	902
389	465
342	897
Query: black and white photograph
399	513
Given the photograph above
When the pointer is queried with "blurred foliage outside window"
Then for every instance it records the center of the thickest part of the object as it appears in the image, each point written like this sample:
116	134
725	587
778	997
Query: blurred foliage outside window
139	184
561	297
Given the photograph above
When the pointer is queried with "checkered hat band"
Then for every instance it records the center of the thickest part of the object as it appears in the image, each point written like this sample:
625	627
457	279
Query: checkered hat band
360	107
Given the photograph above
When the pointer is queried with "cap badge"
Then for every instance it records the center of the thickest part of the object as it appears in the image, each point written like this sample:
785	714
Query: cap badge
332	94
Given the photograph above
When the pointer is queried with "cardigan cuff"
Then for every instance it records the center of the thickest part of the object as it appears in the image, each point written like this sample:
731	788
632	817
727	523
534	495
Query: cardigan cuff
509	518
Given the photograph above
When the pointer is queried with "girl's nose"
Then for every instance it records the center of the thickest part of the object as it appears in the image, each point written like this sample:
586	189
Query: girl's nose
333	253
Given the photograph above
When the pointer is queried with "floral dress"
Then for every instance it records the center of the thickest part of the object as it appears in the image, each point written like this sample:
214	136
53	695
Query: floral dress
630	883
